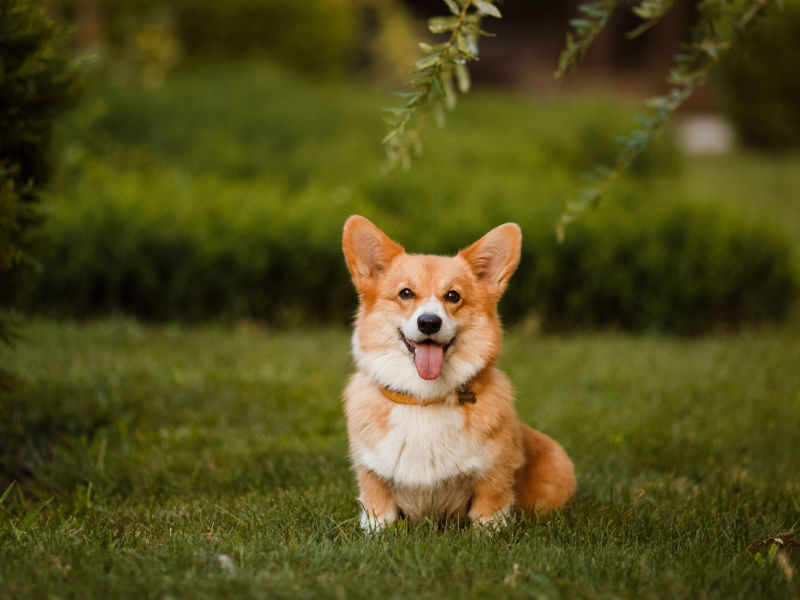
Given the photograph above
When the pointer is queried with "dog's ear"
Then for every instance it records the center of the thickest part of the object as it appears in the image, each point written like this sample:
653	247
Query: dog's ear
495	256
367	250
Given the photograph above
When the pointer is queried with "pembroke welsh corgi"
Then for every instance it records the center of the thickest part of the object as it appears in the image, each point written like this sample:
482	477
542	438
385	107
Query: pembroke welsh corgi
431	422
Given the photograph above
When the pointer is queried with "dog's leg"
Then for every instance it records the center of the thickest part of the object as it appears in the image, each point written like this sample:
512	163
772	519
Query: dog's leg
492	500
378	505
547	479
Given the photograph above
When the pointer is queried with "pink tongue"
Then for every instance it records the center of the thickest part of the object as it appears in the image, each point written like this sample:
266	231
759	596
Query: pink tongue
428	358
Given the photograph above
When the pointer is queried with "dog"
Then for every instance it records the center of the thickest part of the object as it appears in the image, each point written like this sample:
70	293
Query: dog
432	428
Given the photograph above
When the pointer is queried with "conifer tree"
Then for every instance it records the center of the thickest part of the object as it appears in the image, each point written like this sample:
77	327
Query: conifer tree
37	83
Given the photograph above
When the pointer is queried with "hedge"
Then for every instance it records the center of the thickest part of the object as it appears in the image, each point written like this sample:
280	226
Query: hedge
224	194
677	266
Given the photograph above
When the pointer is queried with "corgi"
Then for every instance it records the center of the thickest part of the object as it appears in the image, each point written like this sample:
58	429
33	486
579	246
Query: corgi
431	423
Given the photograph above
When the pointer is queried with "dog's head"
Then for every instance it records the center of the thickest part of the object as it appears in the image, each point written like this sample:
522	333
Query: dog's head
427	324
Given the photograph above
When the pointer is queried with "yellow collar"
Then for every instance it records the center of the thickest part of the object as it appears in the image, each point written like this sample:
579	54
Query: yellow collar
464	394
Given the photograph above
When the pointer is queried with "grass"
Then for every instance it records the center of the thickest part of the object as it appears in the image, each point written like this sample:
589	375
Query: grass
209	461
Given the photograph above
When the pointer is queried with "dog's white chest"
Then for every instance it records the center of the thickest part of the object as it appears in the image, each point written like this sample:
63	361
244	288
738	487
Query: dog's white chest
426	446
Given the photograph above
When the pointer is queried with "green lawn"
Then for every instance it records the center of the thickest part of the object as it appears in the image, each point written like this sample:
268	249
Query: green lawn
181	461
166	448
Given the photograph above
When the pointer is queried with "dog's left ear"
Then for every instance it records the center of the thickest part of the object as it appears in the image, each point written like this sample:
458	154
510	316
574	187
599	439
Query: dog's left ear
495	256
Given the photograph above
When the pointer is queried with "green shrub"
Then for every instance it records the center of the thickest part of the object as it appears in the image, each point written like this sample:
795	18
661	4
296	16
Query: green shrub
680	266
121	247
671	266
37	82
224	193
317	37
314	36
762	81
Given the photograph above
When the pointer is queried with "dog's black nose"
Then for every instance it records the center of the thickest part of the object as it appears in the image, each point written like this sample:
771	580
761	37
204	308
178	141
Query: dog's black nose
429	323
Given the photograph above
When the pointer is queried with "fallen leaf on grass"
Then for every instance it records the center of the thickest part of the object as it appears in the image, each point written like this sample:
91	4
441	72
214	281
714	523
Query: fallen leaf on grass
782	541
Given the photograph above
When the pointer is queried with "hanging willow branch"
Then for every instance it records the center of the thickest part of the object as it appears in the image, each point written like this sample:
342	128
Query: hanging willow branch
721	25
585	30
711	41
651	12
435	74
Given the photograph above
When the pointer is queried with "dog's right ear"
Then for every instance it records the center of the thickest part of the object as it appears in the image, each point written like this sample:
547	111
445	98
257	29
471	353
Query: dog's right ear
367	250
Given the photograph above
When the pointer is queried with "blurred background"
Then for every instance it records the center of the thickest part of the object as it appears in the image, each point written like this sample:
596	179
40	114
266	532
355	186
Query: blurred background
216	149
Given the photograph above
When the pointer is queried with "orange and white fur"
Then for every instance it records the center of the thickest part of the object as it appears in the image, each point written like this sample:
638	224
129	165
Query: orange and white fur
431	422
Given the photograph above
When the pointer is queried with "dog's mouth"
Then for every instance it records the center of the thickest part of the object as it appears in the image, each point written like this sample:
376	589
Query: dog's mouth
428	356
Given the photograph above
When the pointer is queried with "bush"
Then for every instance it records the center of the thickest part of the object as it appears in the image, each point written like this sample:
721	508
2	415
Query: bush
224	193
317	37
671	266
762	81
37	83
314	36
681	267
121	247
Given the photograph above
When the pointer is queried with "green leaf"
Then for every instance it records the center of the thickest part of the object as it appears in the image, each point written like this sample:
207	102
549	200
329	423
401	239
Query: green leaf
653	9
427	62
428	48
392	134
580	24
449	92
472	44
658	103
651	12
486	8
463	78
453	6
462	46
442	24
415	100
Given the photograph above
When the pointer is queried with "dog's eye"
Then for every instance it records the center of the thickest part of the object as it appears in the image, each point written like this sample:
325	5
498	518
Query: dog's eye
406	294
452	296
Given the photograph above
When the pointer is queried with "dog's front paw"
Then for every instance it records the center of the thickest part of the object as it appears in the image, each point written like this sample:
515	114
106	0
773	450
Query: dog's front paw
492	522
372	523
